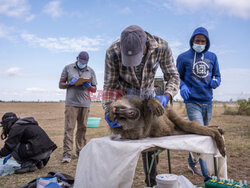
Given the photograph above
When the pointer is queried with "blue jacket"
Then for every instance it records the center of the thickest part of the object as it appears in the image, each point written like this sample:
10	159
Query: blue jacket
197	71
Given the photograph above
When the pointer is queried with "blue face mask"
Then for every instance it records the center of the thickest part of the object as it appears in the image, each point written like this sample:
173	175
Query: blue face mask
199	48
81	66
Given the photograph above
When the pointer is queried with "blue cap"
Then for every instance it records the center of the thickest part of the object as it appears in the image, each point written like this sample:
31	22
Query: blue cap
83	57
132	43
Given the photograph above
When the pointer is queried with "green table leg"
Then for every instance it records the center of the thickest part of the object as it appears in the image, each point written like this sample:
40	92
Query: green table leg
149	168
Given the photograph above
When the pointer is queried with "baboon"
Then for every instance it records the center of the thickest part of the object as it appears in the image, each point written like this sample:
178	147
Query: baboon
140	118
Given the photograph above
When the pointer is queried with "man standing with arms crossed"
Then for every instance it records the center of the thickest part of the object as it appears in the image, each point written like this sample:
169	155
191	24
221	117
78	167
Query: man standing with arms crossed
77	103
130	67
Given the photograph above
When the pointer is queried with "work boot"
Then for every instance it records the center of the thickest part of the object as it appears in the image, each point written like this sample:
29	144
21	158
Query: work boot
45	161
194	169
66	158
40	164
26	167
207	179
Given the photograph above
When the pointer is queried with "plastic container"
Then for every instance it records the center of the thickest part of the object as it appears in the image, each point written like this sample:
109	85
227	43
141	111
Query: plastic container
93	122
167	181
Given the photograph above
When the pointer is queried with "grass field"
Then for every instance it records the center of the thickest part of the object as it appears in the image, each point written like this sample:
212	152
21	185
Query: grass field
50	117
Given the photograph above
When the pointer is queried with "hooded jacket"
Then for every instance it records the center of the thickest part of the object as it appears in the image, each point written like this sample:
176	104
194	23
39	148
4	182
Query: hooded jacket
30	138
197	71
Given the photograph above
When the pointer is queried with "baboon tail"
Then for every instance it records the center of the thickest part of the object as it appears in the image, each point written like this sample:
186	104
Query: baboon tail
196	128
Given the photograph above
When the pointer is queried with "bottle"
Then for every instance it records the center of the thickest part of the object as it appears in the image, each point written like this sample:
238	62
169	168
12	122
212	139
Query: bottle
245	182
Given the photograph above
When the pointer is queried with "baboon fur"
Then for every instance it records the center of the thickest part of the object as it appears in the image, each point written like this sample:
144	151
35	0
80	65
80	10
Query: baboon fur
147	118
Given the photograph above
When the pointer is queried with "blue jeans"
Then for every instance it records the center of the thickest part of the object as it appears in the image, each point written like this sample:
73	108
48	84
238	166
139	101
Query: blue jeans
201	113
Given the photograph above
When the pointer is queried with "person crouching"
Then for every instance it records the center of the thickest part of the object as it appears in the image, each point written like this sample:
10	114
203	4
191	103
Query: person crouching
26	141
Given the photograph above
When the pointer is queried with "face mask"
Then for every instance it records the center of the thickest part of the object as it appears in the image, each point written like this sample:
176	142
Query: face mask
198	48
81	66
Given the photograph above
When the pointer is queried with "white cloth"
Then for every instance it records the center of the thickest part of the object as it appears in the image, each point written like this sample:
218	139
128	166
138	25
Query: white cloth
9	167
184	182
111	162
221	165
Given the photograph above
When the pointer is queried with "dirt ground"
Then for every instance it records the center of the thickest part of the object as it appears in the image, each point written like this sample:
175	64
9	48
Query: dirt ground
50	117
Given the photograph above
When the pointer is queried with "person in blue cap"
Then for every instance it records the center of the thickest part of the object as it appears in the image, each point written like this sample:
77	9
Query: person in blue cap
131	64
77	103
200	75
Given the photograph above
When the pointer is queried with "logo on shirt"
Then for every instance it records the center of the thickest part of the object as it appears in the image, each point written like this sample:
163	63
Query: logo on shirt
201	69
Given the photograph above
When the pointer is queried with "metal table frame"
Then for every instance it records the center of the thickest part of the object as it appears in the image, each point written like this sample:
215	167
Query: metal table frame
160	150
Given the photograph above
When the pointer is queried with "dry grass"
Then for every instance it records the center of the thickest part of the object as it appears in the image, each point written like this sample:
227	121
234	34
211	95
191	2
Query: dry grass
51	118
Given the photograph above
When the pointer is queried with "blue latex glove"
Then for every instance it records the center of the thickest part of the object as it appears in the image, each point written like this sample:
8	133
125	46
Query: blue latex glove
164	100
87	84
214	83
111	123
73	81
185	92
6	158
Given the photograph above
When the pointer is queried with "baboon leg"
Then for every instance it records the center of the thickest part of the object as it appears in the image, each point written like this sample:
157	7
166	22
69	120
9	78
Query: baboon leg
220	142
178	132
194	127
188	126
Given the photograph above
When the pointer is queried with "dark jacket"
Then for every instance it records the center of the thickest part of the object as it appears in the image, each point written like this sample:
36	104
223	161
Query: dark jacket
32	139
197	70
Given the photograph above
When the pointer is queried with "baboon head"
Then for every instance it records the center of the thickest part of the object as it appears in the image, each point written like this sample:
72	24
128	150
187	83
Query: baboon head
127	113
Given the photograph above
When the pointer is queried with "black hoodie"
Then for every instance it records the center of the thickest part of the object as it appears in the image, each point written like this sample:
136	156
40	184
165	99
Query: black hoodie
32	139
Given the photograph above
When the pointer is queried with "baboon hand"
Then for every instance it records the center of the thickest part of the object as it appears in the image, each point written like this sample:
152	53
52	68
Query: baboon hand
112	114
156	107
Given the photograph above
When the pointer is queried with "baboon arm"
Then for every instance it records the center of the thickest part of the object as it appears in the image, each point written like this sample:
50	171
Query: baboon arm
148	121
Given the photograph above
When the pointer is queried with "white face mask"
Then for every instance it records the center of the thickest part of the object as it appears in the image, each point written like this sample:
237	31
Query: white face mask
199	48
81	66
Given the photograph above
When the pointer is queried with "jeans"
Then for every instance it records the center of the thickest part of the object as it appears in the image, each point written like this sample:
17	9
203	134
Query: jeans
201	113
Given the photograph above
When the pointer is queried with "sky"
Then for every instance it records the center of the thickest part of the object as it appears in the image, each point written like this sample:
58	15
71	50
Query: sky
39	38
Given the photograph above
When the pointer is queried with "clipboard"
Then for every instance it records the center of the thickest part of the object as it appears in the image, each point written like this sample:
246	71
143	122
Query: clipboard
81	80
